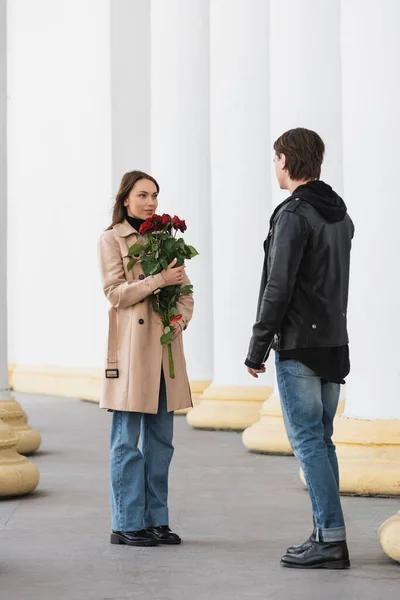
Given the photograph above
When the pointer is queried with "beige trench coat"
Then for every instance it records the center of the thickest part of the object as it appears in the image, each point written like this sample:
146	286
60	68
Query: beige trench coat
134	346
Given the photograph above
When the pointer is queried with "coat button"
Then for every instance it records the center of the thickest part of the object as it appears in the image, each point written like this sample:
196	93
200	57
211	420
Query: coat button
141	276
314	326
141	321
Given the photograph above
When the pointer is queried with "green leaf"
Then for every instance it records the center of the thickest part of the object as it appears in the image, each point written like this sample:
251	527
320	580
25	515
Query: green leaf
135	250
155	269
180	262
167	329
131	263
187	290
193	251
169	245
149	266
166	338
174	312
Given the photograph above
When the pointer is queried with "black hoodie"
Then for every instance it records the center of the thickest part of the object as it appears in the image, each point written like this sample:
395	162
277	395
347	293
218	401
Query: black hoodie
322	197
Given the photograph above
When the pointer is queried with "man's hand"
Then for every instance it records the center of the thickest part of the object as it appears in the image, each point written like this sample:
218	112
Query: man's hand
254	372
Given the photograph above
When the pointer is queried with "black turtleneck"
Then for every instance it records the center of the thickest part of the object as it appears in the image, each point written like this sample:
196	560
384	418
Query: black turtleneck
136	223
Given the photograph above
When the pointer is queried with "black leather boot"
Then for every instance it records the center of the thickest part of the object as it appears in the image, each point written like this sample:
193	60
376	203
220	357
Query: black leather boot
320	555
304	546
163	535
132	538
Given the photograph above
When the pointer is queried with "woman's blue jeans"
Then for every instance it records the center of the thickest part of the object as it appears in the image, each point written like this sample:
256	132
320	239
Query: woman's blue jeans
139	476
309	407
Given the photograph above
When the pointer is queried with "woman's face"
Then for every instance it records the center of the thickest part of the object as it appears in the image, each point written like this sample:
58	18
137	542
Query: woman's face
142	201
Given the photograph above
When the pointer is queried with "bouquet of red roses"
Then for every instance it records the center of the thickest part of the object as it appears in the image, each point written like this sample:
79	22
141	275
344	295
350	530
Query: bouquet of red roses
159	247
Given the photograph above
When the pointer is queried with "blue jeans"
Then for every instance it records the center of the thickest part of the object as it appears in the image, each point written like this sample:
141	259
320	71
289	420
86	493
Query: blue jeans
139	476
309	407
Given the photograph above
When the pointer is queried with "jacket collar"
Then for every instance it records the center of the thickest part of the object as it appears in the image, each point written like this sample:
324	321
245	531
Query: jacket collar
124	229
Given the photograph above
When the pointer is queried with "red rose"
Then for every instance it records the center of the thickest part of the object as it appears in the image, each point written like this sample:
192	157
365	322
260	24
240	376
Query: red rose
165	219
179	224
176	319
157	220
147	226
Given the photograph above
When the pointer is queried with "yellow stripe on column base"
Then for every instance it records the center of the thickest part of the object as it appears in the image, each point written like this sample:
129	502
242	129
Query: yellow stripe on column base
70	382
73	382
389	537
18	476
197	389
228	407
369	456
268	435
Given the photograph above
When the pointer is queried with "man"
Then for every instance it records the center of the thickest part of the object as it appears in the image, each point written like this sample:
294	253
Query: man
302	314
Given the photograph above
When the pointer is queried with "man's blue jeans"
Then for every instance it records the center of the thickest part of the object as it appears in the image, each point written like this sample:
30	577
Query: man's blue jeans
309	407
139	476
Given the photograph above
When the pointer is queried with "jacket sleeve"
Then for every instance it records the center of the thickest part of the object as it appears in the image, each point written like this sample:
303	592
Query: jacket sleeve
117	289
285	254
185	305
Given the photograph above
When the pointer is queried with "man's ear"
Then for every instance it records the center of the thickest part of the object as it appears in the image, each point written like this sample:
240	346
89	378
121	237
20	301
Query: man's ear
282	161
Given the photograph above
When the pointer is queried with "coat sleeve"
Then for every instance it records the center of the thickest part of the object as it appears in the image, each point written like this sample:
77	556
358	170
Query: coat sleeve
285	255
185	305
117	289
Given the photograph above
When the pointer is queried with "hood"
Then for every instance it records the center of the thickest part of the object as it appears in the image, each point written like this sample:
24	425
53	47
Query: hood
322	197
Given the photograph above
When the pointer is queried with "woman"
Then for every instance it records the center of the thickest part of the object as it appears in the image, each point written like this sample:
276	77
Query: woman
137	386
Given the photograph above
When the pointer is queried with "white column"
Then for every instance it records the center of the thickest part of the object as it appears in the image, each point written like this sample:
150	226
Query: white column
240	191
130	87
368	437
59	187
305	83
17	475
4	386
180	153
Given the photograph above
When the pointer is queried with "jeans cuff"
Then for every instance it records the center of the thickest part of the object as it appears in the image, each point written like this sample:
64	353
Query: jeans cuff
156	518
333	534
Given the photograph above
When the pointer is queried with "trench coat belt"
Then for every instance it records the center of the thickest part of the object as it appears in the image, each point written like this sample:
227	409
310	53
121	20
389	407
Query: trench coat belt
112	353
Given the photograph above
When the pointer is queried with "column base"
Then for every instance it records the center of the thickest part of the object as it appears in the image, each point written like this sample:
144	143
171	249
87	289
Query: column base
228	407
389	537
18	476
197	388
268	435
28	439
369	456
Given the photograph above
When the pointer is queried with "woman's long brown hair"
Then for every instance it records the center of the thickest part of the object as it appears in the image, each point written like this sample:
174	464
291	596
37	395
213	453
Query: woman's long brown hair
127	182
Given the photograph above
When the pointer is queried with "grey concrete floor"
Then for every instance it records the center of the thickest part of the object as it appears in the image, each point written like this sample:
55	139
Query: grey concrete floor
236	511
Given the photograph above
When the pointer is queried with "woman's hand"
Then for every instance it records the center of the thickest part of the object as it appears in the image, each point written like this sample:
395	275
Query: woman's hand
177	330
173	276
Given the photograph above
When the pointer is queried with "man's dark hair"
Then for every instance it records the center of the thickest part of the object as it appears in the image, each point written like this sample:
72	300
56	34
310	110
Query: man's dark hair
304	151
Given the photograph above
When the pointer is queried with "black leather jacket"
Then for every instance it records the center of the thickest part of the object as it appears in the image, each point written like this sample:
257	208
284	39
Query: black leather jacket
304	288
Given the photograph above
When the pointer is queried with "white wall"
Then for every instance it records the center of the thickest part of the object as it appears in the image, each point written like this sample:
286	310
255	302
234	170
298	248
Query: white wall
59	173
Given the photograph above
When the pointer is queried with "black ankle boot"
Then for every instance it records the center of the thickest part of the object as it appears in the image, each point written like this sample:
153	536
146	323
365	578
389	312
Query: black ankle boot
304	546
320	555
